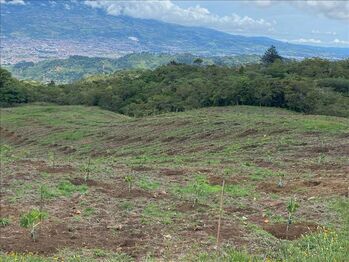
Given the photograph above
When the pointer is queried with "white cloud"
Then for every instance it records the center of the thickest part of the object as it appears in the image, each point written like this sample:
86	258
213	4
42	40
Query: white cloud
341	42
310	41
332	9
318	32
168	11
133	38
12	2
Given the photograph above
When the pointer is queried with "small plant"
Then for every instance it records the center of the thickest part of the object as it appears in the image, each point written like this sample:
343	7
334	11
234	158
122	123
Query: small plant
4	221
87	169
198	188
292	207
44	193
129	179
52	158
281	183
32	220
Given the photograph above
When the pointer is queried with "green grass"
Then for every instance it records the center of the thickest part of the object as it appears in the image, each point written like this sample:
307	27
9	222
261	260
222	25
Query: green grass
4	221
154	214
66	188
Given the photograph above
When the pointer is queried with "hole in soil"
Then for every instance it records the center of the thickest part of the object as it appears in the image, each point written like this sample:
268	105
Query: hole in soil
295	231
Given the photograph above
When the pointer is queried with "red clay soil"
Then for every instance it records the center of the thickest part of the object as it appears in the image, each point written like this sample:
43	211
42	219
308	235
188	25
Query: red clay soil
295	231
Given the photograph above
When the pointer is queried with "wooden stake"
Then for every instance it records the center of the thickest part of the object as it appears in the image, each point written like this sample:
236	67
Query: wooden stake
220	213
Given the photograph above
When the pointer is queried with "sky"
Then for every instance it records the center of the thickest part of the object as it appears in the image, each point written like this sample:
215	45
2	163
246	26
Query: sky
311	22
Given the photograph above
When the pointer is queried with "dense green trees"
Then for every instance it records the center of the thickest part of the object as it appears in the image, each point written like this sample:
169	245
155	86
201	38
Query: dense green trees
311	86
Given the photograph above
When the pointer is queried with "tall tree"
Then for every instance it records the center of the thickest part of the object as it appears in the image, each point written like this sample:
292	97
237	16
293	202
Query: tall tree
270	56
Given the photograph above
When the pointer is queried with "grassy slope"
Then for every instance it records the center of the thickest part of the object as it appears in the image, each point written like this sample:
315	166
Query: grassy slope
251	147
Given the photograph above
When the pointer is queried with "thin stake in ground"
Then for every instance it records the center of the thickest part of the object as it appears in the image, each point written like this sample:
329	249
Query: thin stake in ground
220	213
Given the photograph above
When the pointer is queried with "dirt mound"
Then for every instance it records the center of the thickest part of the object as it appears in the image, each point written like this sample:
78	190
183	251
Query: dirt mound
54	236
294	231
319	187
171	172
218	180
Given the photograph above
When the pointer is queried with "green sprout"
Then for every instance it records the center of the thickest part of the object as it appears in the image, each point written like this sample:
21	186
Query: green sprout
52	158
4	221
32	220
198	187
292	207
129	179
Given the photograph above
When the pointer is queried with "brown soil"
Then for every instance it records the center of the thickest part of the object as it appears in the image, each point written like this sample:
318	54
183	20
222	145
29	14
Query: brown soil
218	180
53	236
171	172
42	166
319	187
56	169
247	132
141	168
295	230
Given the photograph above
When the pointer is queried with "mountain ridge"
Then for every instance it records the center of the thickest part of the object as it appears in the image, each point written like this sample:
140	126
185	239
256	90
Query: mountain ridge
115	35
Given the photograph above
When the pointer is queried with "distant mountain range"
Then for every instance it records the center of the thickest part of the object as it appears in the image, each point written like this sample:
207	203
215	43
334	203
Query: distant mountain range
54	31
78	67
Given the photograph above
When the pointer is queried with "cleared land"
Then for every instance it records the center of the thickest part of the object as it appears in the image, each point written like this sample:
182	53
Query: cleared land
134	188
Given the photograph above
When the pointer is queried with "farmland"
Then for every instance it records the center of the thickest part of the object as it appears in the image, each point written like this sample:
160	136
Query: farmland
118	188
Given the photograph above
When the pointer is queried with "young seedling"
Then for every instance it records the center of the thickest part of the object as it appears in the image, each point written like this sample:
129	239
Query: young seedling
43	194
281	183
198	189
52	158
32	220
129	179
87	169
292	207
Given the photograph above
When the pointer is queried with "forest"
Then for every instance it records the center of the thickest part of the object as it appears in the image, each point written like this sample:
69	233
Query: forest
311	86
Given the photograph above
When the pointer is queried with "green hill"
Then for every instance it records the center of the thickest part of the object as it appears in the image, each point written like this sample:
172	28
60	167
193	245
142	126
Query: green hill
78	67
149	188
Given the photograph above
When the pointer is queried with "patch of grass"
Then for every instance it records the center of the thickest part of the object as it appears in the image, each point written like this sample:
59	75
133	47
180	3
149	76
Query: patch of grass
152	213
224	255
4	221
127	205
147	184
324	246
88	211
66	188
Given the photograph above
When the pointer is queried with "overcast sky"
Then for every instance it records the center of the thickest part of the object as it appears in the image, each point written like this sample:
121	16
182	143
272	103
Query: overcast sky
309	22
315	22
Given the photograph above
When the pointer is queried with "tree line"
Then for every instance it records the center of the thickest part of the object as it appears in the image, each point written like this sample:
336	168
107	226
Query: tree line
314	86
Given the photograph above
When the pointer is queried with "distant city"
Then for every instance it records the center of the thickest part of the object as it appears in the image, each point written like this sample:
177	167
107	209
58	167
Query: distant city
14	50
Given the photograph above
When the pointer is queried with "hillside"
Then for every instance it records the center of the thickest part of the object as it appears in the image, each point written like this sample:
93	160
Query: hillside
79	67
38	30
150	187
